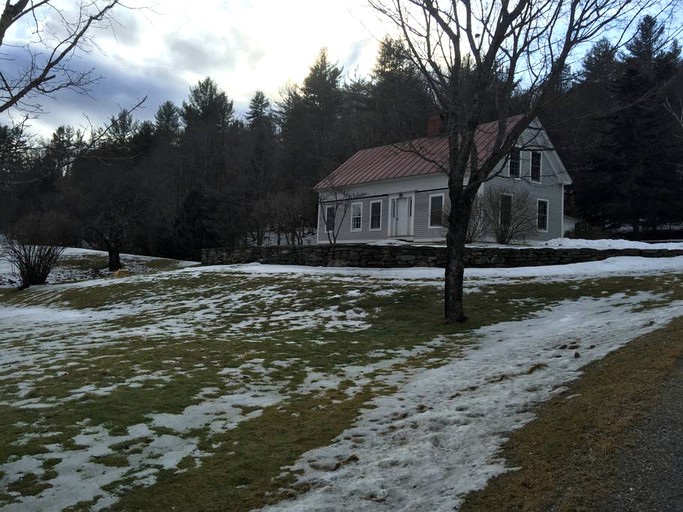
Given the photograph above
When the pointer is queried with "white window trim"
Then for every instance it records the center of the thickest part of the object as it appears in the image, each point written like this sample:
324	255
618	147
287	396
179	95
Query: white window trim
519	163
547	215
429	216
329	228
355	230
531	166
380	216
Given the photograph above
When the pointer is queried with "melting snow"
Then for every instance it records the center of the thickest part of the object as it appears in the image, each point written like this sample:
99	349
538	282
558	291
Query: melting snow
424	447
421	448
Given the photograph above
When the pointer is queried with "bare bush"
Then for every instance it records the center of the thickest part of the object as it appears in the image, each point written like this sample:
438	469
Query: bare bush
508	215
31	249
476	229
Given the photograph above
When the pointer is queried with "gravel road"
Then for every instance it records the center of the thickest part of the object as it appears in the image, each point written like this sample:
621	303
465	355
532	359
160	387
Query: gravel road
650	473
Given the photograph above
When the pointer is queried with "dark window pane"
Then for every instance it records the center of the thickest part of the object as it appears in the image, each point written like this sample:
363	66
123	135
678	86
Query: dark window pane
330	218
535	166
514	162
436	211
356	216
542	219
375	215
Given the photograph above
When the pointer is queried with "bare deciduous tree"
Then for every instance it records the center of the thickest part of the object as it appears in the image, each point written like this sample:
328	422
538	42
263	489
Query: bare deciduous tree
676	112
334	205
475	54
42	63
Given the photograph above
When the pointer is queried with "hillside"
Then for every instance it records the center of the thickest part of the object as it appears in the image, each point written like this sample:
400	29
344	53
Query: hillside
241	386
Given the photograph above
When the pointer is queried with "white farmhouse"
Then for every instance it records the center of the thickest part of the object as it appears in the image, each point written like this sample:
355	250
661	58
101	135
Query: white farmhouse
400	191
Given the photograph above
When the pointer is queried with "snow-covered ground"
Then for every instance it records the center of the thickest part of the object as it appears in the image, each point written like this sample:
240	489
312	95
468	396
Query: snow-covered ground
438	438
564	243
421	448
572	243
66	274
136	263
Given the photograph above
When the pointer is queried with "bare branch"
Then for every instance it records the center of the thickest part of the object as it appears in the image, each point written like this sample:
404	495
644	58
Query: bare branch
57	37
676	112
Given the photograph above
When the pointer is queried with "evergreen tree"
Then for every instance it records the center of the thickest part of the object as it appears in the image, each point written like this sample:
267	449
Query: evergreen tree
358	125
307	116
14	167
636	172
205	220
167	122
208	116
207	106
259	179
400	96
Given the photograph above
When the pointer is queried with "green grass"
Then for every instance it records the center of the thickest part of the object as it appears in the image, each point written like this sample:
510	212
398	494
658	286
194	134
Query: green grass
184	332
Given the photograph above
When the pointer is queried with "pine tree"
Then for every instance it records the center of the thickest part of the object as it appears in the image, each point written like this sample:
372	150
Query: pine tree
307	117
637	165
399	96
258	178
208	116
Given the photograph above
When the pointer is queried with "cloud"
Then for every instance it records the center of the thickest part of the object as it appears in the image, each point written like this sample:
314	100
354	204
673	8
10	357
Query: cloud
162	51
196	56
357	57
127	28
118	88
207	53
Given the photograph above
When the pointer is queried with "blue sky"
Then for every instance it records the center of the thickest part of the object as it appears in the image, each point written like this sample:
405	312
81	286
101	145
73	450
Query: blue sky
161	49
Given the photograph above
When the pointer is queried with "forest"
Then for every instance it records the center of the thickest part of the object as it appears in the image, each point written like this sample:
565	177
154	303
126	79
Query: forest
200	176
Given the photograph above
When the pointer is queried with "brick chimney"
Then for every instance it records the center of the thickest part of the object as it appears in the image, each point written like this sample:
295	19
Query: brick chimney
435	126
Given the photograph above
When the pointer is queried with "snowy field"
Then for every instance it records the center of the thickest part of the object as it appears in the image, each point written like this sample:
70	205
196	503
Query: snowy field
118	392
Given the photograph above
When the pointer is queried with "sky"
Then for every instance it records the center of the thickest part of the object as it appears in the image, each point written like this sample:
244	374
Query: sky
160	48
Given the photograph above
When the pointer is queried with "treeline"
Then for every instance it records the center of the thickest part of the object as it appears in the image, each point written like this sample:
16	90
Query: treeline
198	176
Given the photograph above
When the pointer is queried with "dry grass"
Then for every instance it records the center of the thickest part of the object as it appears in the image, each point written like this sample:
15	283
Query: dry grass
567	455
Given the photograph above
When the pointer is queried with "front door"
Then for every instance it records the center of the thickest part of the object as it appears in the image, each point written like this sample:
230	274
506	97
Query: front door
401	216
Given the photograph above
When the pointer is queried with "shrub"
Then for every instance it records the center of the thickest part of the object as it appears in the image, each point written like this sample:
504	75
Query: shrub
508	213
31	249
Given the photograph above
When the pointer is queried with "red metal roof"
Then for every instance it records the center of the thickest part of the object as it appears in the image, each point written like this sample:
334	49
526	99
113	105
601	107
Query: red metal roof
413	158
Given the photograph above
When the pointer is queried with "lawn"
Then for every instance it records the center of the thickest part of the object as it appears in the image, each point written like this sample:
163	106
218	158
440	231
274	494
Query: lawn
234	388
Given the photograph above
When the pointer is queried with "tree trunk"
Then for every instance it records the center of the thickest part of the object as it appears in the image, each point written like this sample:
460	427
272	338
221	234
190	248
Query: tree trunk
461	209
114	259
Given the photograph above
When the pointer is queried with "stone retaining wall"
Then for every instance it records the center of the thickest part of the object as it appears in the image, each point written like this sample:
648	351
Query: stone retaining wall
361	255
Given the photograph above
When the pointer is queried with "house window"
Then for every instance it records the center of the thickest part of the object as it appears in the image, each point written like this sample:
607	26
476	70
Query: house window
515	155
505	210
536	166
356	216
330	214
542	215
436	211
375	215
